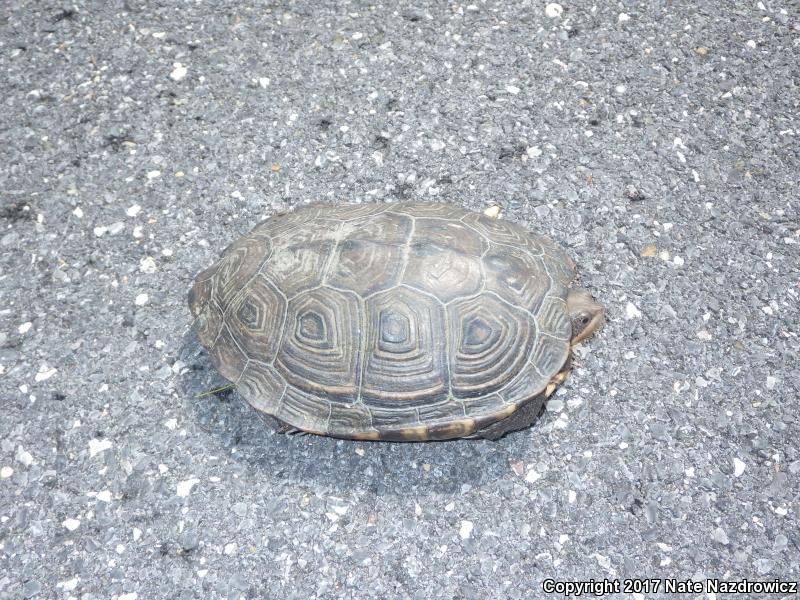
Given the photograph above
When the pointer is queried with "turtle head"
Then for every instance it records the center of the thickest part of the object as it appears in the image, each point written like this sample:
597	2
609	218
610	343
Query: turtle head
585	314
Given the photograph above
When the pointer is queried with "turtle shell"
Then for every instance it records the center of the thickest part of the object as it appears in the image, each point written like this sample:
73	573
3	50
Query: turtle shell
393	321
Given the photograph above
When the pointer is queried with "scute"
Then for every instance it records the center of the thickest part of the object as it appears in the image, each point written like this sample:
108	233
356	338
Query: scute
490	341
320	343
401	321
405	363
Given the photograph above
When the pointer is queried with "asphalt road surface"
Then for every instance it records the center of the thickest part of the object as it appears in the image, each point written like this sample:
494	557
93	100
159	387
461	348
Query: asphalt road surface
658	142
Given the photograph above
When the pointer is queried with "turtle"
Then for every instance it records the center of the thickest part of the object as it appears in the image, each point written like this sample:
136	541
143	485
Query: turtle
396	321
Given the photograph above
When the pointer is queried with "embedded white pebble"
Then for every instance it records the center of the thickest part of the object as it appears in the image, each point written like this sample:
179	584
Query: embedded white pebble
466	529
171	424
184	487
167	252
153	174
133	210
437	145
97	446
623	18
104	496
178	71
23	456
230	548
162	468
553	10
78	212
493	212
263	81
147	265
71	524
44	373
137	232
100	231
512	89
738	467
532	476
141	299
6	472
137	533
68	585
632	311
771	382
751	44
25	327
534	151
128	596
704	335
678	261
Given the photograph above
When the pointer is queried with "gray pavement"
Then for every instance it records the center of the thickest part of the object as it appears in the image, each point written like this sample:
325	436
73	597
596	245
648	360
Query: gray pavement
658	142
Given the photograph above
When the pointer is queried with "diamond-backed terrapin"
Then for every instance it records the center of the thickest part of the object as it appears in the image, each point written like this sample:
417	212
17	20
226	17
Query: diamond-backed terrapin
403	322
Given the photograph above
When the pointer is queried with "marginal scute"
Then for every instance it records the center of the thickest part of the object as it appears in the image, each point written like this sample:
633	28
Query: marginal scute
440	411
346	418
305	411
354	211
528	384
386	418
262	386
319	351
208	324
489	343
227	356
483	405
553	319
549	355
385	228
506	233
420	209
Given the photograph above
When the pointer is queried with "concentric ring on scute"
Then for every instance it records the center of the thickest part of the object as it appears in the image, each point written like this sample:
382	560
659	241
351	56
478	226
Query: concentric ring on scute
319	351
443	259
299	258
404	360
254	316
516	276
490	342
